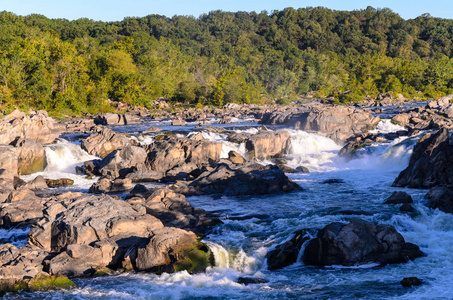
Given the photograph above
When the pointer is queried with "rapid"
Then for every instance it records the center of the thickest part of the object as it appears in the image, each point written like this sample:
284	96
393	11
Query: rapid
254	225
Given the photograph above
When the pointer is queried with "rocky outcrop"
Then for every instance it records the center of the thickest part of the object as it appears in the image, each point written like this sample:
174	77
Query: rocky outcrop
441	197
359	242
267	143
175	156
336	122
122	161
105	185
104	142
31	156
431	163
38	127
21	207
8	159
238	180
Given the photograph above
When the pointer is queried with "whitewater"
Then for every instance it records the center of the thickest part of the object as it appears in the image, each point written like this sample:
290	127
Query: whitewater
254	225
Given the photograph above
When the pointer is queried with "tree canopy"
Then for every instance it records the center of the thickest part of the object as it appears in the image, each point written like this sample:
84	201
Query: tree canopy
221	57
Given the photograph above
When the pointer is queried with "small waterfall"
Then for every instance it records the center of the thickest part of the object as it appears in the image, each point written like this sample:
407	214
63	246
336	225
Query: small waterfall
310	150
237	260
65	156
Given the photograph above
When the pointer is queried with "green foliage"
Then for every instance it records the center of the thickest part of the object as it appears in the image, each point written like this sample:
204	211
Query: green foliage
72	67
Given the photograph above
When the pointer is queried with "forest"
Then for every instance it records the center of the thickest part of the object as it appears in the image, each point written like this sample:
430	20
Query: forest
73	67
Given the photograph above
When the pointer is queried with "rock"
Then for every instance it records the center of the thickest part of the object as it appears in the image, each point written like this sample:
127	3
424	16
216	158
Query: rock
31	156
359	242
303	169
105	185
267	144
239	180
431	163
110	119
17	264
173	249
173	210
333	181
6	184
8	159
411	281
20	207
286	254
151	130
406	207
53	183
399	198
39	183
336	122
181	154
38	127
120	162
145	176
251	280
178	122
441	197
235	158
104	142
132	118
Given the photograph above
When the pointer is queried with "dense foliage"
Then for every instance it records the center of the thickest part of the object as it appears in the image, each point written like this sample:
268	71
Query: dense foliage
221	57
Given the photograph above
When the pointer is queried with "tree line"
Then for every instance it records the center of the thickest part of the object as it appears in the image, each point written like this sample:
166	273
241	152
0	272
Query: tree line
221	57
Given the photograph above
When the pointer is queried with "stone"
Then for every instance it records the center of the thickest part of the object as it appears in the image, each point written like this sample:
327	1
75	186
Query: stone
39	183
406	207
359	242
251	280
268	143
31	156
38	127
411	281
238	180
120	162
104	142
399	197
235	158
172	249
53	183
431	163
8	159
287	253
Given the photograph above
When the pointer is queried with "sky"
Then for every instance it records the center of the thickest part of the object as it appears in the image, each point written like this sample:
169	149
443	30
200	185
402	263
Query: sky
117	10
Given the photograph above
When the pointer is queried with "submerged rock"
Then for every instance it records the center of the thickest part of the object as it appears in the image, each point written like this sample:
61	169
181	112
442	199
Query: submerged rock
359	242
399	198
411	281
251	280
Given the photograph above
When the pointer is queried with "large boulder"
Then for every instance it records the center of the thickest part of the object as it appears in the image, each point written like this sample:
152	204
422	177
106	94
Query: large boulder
122	161
104	142
268	143
431	162
238	180
20	207
359	242
181	155
31	156
38	127
172	249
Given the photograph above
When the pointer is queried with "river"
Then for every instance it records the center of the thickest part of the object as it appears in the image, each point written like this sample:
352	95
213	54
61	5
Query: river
254	225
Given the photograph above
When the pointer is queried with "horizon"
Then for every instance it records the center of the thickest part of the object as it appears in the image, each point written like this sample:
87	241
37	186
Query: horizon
117	12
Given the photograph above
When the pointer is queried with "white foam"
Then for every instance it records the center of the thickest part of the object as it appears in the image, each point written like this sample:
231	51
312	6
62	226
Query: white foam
386	126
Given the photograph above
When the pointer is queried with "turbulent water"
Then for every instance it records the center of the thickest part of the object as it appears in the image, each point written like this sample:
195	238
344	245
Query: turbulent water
254	225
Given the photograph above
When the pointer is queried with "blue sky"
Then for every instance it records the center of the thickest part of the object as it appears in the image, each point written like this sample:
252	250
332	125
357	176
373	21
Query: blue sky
116	10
